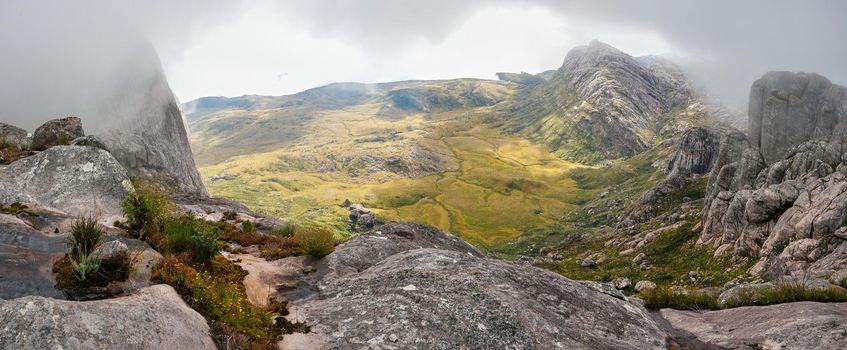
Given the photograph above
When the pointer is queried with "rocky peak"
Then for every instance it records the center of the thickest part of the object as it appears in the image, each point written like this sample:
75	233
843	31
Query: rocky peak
142	125
787	109
604	104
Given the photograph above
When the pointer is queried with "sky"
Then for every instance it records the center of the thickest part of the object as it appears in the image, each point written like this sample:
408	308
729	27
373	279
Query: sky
59	53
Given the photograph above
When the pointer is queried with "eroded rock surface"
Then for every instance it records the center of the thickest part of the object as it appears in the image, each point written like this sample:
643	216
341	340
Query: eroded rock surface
12	134
411	286
74	179
153	318
788	109
803	325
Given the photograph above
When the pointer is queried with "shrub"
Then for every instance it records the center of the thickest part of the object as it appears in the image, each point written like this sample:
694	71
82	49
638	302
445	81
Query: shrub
315	241
278	247
187	235
248	227
85	235
147	208
286	230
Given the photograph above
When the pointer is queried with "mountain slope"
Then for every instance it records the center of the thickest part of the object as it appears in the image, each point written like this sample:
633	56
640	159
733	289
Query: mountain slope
603	104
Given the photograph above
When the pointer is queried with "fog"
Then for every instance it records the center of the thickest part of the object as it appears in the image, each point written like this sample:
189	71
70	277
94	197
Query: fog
59	56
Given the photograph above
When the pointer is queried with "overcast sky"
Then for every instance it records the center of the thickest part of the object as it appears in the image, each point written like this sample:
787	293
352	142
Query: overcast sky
54	51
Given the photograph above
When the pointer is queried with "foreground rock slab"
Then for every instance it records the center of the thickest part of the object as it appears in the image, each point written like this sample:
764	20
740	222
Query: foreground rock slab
74	179
803	325
406	286
154	318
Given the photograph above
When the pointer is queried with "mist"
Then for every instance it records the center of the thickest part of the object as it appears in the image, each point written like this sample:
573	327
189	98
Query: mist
60	57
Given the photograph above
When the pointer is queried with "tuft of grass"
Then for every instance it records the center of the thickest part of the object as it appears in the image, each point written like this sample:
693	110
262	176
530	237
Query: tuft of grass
85	236
665	297
148	208
314	240
248	227
188	235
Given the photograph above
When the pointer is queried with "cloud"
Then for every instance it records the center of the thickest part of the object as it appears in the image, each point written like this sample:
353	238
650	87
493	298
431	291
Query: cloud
59	55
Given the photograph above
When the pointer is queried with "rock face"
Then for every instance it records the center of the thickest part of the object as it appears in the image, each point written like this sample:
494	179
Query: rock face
411	286
782	196
74	179
788	109
12	134
57	132
602	104
150	319
142	126
804	325
695	153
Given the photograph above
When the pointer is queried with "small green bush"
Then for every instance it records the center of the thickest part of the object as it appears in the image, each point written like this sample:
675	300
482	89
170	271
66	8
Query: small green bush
286	230
315	241
85	235
146	209
248	227
192	236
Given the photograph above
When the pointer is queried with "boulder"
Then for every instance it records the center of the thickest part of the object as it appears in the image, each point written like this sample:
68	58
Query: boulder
412	286
359	215
803	325
149	319
112	254
82	181
622	283
57	132
733	294
12	135
90	141
839	278
644	285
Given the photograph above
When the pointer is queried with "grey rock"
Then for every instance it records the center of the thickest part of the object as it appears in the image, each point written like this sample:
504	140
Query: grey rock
639	258
73	179
371	247
142	126
787	109
622	283
588	262
695	153
733	294
152	317
362	216
57	132
839	278
804	325
453	297
13	135
90	141
112	253
644	285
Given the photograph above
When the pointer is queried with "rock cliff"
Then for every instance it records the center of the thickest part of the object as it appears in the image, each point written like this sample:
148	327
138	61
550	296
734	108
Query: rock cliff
781	195
141	124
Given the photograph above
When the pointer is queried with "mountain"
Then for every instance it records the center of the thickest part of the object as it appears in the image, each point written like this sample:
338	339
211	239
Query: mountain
604	104
141	124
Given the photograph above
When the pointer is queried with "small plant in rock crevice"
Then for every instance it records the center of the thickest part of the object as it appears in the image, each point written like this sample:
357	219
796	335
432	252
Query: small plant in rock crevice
147	208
